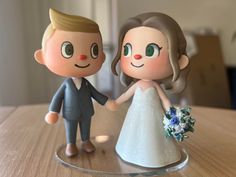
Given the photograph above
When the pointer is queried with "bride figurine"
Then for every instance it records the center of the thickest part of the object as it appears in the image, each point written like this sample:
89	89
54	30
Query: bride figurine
151	51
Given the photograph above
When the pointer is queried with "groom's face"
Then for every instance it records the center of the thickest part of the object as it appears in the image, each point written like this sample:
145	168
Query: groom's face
73	54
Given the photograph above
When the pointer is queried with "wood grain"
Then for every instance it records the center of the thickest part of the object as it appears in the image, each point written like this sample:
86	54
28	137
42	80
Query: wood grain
28	144
5	112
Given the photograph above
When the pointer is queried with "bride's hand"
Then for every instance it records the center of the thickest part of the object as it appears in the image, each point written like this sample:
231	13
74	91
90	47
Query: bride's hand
112	105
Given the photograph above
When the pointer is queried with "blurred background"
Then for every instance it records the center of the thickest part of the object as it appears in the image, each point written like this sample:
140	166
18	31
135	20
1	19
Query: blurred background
209	26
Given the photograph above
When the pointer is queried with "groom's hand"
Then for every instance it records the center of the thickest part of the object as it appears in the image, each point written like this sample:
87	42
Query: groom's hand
51	117
111	105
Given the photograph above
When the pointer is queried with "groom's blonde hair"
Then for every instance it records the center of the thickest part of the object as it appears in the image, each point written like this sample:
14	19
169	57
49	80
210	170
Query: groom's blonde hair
65	22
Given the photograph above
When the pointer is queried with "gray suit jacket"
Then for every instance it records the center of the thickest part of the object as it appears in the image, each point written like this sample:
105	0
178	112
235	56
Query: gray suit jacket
77	104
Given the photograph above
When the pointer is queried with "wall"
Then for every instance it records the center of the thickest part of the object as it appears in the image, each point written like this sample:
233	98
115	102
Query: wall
190	14
13	66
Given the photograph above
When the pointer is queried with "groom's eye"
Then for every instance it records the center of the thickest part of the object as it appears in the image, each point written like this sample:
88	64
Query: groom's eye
94	50
67	50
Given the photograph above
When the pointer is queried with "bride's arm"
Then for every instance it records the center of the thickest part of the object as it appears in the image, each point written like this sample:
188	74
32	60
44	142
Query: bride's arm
125	96
164	99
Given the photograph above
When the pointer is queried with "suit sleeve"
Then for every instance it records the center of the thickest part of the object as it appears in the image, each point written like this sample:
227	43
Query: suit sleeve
55	105
100	98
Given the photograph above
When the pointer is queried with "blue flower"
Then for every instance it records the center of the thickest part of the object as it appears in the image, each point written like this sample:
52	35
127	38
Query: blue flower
172	111
174	121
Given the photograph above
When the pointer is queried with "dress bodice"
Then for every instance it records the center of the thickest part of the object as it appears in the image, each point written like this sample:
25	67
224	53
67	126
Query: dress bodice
149	97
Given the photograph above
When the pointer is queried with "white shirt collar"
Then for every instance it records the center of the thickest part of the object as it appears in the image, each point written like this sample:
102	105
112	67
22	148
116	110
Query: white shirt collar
77	82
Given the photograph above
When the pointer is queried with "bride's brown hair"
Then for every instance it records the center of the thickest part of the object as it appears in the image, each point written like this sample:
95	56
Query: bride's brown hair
176	47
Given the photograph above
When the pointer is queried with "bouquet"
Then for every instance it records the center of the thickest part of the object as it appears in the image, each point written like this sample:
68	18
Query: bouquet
177	122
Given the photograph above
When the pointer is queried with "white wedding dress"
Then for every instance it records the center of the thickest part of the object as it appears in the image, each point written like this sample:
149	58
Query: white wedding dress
142	139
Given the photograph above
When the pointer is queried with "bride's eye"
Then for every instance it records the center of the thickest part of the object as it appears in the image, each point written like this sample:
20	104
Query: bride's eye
127	50
153	50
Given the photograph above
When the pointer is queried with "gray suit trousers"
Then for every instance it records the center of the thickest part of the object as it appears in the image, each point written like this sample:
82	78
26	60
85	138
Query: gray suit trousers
71	130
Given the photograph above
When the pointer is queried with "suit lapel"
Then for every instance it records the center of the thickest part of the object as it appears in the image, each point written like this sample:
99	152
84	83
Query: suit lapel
74	86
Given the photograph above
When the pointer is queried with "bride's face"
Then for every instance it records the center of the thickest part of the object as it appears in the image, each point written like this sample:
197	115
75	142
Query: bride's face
145	54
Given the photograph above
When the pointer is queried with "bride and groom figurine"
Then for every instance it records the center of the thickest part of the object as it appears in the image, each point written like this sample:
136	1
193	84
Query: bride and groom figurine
151	52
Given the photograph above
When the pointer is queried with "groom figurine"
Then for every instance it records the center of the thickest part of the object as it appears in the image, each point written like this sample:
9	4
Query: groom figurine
72	48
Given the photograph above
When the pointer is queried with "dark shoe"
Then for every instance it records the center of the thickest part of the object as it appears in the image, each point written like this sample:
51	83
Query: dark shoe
87	146
71	150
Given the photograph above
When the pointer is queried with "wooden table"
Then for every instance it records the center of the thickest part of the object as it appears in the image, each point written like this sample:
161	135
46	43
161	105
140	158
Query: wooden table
28	144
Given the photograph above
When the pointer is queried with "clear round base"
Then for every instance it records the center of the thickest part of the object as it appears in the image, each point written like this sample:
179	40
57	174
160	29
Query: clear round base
105	161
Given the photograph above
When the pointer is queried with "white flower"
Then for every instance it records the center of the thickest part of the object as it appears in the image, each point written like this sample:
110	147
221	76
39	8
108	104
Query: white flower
178	129
166	121
183	125
179	113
